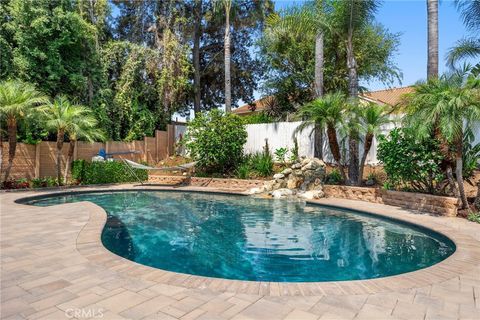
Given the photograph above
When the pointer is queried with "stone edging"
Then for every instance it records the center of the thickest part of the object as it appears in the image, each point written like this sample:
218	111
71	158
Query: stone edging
426	203
466	257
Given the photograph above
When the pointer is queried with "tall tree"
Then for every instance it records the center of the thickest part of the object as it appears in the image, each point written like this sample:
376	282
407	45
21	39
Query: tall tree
226	5
197	32
432	25
16	101
354	15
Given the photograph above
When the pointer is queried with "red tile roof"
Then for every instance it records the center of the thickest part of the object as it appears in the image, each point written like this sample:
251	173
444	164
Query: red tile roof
388	96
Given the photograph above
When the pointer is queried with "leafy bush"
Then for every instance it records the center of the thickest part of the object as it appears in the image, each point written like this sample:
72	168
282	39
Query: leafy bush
259	117
471	154
409	163
43	182
16	184
215	140
105	172
280	155
474	216
333	177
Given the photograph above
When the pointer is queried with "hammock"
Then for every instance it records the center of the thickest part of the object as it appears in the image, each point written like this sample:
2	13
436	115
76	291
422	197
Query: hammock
182	167
134	165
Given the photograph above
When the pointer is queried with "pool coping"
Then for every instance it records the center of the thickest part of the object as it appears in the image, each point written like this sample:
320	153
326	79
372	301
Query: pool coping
88	243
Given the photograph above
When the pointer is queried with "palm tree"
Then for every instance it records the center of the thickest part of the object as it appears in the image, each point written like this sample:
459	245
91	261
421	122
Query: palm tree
227	6
17	99
373	116
432	25
74	121
298	21
351	16
326	112
468	47
447	105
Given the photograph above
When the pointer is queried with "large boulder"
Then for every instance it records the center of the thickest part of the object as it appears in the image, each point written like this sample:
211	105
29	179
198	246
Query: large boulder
282	193
313	194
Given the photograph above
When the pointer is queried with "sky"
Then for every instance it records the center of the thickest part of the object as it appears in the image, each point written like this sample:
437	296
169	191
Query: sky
409	17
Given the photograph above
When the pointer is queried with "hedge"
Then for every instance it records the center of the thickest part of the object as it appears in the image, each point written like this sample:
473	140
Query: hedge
105	172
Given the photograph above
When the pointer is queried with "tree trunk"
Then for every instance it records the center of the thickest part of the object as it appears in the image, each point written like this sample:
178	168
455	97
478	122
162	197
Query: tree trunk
228	85
71	149
12	145
319	65
366	149
432	25
196	56
335	149
60	139
476	203
459	170
353	93
318	142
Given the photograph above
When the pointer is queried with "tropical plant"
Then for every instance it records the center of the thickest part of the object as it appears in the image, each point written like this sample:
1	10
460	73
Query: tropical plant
215	140
72	121
352	16
327	112
17	99
294	156
446	107
262	164
468	47
334	177
372	117
281	155
471	154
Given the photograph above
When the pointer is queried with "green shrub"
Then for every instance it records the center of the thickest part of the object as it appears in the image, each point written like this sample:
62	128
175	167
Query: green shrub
215	140
474	216
243	170
43	182
410	164
105	172
259	117
281	154
333	177
262	164
294	152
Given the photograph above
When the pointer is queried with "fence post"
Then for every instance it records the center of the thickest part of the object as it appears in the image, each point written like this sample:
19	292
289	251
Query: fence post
37	160
170	139
145	149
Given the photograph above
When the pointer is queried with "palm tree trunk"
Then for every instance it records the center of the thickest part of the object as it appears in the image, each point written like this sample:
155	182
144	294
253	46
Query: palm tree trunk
335	149
60	139
196	56
228	85
366	150
353	93
432	17
318	132
12	145
476	203
71	149
459	170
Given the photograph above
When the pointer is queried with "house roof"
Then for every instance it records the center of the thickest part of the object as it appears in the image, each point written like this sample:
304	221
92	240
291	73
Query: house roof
388	96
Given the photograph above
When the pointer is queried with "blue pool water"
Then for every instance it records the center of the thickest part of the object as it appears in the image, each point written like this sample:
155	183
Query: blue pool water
238	237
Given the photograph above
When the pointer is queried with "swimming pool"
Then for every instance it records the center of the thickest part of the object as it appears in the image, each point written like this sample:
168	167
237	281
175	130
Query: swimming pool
246	238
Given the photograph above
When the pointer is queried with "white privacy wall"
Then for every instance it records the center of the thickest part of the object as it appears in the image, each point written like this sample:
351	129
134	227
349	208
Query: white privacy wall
279	135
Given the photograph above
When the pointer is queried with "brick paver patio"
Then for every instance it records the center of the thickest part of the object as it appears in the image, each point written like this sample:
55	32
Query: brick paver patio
53	266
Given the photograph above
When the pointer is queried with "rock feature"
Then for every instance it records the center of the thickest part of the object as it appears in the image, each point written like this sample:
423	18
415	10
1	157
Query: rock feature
304	179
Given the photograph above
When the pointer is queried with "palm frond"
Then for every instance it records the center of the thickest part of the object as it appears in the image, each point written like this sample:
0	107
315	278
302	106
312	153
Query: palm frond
463	49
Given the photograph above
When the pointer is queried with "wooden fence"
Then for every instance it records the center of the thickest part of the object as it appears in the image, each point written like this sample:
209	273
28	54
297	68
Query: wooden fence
36	161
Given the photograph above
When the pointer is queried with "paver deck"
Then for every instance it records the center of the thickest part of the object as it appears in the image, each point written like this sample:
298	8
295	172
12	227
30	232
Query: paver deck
53	266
